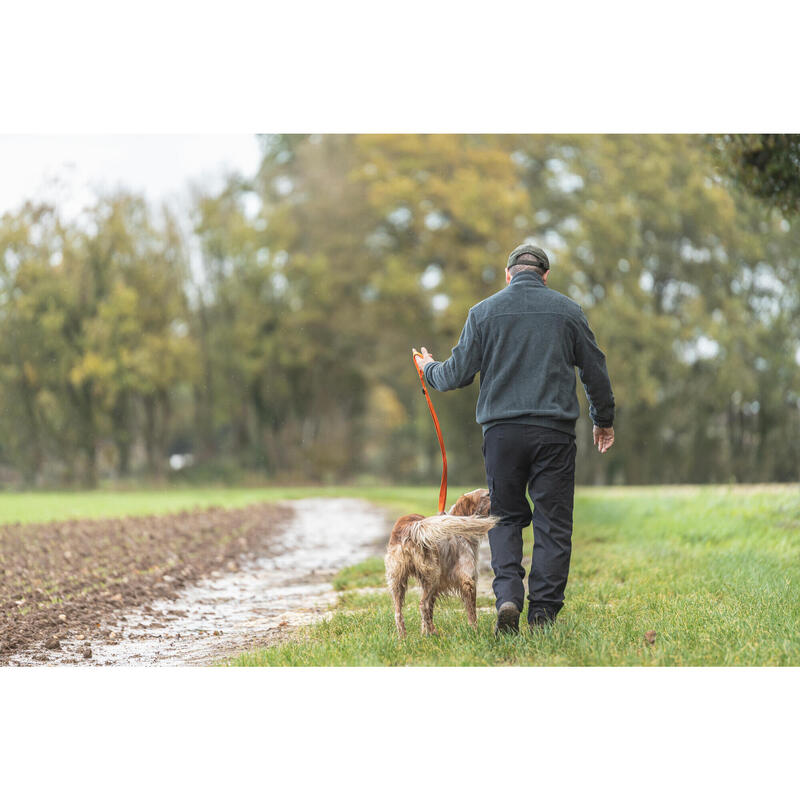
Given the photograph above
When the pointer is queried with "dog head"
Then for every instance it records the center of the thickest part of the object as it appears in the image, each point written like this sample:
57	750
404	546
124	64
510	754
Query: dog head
475	503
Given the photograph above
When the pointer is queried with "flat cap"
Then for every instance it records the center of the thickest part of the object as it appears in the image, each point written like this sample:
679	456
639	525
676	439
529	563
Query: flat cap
530	249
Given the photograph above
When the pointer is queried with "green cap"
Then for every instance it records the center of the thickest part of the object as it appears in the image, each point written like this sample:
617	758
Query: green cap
530	249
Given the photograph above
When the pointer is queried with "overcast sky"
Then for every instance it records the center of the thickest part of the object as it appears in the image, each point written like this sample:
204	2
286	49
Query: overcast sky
68	169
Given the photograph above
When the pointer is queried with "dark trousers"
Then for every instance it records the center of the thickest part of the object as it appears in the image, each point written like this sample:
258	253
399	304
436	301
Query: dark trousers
541	460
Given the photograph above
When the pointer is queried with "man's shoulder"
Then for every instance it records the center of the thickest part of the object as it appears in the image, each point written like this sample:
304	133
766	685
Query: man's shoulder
561	301
486	305
504	300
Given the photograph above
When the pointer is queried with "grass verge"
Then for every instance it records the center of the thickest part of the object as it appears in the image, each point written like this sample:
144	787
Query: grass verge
713	572
46	506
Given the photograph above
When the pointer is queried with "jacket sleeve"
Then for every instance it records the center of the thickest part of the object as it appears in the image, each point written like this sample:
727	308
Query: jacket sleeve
591	363
464	362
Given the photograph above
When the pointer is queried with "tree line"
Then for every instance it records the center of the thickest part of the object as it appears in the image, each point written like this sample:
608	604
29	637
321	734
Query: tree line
268	332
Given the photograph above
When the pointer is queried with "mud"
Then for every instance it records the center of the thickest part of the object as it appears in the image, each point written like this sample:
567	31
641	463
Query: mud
273	576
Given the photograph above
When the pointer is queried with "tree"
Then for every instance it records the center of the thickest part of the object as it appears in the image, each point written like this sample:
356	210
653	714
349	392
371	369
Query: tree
133	345
93	336
765	164
446	210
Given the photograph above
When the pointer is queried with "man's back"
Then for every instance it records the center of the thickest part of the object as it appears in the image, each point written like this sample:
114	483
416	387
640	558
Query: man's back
526	341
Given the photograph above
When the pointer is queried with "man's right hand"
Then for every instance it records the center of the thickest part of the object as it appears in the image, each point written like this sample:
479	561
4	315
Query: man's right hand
603	438
427	358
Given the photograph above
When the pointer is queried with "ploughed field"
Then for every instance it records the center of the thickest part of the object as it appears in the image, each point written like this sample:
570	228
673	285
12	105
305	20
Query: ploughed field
75	578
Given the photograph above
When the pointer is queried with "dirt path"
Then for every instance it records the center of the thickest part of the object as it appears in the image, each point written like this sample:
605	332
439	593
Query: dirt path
256	604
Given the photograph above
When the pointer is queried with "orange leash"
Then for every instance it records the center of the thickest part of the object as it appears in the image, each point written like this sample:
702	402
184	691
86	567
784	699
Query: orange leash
443	488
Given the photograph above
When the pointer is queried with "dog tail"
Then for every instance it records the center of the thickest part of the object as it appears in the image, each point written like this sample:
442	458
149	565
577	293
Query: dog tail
430	531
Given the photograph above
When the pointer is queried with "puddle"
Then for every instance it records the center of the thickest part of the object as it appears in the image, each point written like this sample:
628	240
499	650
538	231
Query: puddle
230	612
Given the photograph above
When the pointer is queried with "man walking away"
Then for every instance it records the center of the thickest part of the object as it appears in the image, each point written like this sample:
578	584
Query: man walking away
526	341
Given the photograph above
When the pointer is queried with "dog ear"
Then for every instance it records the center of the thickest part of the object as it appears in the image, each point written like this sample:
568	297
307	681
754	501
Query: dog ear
484	504
464	506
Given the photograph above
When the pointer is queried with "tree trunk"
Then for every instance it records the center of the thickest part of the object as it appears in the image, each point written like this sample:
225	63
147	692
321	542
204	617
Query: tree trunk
150	432
35	457
204	393
122	434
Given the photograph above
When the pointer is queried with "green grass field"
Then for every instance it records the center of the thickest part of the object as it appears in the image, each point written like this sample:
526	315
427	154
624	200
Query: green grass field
45	506
715	572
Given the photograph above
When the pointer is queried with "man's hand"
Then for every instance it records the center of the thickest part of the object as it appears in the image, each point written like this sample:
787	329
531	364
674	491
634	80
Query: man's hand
427	358
603	438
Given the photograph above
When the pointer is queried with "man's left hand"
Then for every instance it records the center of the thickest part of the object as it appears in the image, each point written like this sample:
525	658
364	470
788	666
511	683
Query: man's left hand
603	438
427	358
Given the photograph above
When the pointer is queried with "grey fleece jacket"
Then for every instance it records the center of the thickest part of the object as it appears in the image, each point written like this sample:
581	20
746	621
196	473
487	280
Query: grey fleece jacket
526	341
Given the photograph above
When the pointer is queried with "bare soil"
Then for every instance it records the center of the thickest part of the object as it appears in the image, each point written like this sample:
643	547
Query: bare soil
74	579
187	588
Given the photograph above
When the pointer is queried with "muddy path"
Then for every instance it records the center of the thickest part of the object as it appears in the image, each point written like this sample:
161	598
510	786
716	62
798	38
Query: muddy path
239	604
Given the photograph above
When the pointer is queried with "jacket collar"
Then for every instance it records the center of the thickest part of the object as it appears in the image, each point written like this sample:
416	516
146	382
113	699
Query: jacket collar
527	276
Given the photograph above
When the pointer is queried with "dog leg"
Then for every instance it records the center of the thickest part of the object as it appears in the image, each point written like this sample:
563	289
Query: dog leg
397	580
399	594
426	609
469	596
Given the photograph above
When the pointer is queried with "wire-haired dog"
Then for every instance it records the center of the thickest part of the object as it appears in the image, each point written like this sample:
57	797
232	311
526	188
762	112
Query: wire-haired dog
441	552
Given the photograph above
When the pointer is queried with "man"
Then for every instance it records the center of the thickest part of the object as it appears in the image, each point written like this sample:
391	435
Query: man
526	341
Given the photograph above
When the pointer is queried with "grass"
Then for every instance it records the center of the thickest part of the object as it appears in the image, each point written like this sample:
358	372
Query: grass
45	506
715	572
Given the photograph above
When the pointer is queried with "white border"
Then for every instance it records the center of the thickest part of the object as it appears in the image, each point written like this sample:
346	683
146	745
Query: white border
399	733
173	66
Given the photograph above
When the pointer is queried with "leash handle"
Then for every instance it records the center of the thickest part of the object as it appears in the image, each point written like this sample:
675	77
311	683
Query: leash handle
415	355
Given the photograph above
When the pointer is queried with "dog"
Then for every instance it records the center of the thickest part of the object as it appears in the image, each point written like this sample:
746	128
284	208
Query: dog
441	552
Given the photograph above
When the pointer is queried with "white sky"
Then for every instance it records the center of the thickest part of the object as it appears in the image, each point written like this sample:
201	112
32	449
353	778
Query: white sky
68	169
